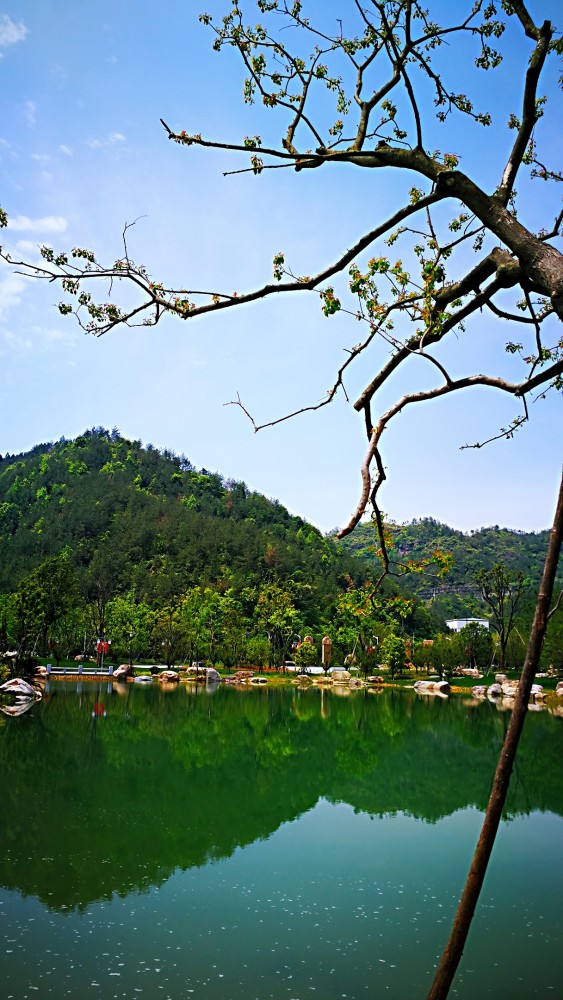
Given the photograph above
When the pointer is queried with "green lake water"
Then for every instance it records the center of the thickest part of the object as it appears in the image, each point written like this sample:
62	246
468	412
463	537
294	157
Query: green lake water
271	844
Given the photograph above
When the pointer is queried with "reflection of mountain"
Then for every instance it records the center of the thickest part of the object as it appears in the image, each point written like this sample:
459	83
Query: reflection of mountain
94	806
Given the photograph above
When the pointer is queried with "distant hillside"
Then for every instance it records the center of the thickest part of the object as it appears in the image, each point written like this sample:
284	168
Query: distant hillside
457	593
159	524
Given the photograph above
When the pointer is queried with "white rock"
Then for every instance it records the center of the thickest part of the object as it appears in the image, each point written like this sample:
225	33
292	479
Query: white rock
509	690
340	676
494	691
16	685
432	687
168	676
122	671
480	691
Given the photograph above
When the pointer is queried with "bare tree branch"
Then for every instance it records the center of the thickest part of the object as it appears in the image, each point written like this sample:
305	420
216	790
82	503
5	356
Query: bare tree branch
530	111
557	606
514	389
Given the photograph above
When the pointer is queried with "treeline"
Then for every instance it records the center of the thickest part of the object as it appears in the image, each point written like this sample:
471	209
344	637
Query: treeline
457	594
102	537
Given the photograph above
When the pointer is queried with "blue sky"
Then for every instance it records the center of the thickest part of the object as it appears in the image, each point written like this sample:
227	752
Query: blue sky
82	152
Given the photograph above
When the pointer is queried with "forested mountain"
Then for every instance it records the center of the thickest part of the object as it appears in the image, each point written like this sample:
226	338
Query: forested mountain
457	593
102	534
159	524
105	537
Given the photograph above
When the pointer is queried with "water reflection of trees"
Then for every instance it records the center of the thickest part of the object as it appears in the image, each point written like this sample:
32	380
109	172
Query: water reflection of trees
171	780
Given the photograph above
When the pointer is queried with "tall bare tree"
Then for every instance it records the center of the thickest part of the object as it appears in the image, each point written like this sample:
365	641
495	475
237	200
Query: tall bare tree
503	593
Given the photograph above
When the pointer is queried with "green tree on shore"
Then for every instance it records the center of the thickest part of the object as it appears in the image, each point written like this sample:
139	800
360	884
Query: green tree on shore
503	592
393	654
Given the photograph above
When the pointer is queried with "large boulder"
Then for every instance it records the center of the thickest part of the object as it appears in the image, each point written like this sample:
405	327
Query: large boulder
479	691
442	687
168	677
432	687
510	689
21	688
495	690
124	670
340	676
356	682
422	686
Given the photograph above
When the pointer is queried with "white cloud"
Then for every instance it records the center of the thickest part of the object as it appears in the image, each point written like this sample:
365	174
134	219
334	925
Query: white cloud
111	140
45	224
66	150
39	339
11	287
30	112
49	339
58	73
14	343
11	291
10	32
42	341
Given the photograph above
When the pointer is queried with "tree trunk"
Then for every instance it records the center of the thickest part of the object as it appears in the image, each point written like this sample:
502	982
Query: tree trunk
541	262
462	922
